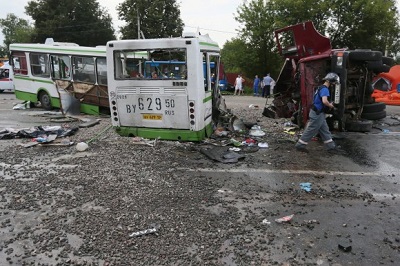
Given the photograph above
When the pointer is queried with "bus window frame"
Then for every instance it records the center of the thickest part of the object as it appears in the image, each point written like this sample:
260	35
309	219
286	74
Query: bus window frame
20	57
77	71
60	58
37	66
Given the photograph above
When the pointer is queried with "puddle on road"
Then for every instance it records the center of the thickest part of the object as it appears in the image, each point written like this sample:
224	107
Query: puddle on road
359	155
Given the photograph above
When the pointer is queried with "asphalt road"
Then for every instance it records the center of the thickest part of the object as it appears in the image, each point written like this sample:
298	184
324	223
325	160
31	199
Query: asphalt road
353	200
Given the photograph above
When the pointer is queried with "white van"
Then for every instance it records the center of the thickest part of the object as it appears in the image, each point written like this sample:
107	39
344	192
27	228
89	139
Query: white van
6	78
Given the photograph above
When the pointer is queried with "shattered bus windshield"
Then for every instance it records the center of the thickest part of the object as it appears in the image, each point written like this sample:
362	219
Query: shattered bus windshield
151	64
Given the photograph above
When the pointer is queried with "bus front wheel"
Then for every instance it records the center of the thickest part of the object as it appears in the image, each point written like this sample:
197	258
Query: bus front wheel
45	100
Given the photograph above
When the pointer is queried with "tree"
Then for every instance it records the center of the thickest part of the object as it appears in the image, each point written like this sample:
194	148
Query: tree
236	56
365	24
352	24
349	24
15	30
158	18
257	33
79	21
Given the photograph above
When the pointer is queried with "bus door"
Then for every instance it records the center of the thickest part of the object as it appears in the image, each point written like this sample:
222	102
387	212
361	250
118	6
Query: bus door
212	75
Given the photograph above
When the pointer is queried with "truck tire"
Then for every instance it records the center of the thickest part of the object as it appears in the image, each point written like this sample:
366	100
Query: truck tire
365	55
374	107
388	61
45	100
374	116
358	125
384	69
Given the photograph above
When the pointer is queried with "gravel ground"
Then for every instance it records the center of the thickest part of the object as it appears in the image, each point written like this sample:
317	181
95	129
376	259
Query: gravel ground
63	207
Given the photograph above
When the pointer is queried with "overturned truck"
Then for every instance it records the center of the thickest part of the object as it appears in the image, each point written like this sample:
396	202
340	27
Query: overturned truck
309	57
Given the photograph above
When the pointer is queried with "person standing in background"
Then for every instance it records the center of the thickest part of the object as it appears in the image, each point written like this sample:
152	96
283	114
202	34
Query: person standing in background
238	85
256	85
267	85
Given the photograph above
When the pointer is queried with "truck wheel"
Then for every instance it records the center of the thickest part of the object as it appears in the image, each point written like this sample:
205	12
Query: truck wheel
387	61
374	116
365	55
374	107
359	125
377	67
45	100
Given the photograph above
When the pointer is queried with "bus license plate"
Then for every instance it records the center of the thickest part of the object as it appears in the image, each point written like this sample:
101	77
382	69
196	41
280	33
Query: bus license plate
152	116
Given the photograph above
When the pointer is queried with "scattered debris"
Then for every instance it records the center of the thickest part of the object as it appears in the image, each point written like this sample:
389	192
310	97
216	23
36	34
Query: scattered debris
256	131
82	146
265	221
311	221
305	186
253	106
22	106
284	219
222	154
236	143
140	140
37	132
263	145
145	232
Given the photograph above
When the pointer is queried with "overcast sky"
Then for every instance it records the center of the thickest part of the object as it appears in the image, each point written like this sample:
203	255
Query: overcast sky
215	17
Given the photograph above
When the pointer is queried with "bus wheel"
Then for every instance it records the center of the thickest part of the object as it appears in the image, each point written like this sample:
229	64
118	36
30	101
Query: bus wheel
45	100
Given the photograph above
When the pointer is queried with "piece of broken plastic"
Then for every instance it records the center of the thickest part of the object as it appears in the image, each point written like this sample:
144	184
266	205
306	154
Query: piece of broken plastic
284	219
238	125
306	186
265	221
82	146
263	145
256	131
152	230
236	143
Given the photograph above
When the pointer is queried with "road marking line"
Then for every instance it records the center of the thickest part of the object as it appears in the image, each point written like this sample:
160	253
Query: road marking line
269	171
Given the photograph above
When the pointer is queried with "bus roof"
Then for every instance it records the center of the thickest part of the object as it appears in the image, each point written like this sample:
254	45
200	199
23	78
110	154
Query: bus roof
58	48
204	41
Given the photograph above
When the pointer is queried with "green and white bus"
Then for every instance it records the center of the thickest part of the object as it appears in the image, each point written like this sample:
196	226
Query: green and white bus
43	71
164	88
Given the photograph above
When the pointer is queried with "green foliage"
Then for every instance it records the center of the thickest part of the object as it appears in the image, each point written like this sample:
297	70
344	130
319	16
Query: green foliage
15	30
158	18
79	21
255	51
357	24
3	51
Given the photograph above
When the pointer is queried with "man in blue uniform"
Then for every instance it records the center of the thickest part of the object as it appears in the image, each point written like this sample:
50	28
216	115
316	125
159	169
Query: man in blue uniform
317	122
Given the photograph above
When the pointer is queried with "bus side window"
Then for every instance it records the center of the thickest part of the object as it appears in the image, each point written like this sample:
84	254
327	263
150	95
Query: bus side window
60	66
84	69
205	75
19	63
39	65
101	65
